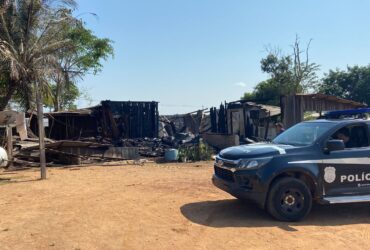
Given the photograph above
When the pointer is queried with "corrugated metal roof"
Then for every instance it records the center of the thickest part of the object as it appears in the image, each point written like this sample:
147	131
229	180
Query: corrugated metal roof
333	98
272	110
269	109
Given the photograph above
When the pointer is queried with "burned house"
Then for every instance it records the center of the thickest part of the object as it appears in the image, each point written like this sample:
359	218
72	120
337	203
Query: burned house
245	119
236	122
108	131
193	122
111	120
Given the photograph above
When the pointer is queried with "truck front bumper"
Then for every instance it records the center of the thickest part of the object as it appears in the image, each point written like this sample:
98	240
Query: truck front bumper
240	192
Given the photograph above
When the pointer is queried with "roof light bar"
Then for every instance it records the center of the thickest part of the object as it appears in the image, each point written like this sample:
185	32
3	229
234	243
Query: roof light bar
345	113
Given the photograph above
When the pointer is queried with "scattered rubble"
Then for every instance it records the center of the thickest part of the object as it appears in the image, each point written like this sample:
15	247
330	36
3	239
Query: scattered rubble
109	132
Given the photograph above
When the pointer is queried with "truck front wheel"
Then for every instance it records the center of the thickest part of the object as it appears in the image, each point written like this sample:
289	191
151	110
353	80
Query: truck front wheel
289	200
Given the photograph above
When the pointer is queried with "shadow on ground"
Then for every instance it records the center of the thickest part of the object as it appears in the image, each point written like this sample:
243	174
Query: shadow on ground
14	177
234	213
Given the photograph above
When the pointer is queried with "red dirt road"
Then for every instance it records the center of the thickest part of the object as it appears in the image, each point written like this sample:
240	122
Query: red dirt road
170	206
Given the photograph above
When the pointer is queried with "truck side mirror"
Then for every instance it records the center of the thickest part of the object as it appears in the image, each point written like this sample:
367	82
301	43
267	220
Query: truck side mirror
334	145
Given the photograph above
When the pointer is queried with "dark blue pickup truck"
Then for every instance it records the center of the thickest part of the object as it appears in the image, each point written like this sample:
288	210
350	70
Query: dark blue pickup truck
325	161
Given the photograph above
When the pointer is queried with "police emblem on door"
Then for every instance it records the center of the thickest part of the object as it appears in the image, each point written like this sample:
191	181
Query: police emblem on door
330	174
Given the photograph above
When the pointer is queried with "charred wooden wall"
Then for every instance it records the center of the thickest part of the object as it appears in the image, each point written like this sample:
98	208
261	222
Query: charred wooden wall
128	119
110	120
68	126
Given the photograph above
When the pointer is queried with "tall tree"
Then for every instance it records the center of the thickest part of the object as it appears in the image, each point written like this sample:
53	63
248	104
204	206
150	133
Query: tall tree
280	70
289	75
304	72
84	57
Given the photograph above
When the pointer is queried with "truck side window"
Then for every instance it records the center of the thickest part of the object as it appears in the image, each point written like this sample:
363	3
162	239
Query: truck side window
353	136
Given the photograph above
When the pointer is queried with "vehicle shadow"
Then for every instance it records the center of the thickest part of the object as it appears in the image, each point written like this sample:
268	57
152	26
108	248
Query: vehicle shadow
234	213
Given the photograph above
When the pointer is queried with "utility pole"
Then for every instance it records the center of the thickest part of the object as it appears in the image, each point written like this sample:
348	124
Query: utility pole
40	119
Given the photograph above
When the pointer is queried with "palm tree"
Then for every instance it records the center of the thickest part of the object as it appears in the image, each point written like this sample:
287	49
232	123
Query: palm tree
30	38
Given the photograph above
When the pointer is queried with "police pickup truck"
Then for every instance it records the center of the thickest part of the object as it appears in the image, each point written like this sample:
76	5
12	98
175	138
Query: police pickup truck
325	161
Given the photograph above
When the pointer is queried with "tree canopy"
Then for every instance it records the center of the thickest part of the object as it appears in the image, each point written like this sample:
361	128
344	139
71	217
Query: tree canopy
352	83
42	43
84	57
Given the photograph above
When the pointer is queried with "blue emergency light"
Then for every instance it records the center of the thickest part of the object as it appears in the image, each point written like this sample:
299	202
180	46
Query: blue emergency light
336	114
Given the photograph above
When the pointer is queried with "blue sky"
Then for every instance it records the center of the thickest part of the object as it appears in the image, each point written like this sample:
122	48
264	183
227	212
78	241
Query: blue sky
189	54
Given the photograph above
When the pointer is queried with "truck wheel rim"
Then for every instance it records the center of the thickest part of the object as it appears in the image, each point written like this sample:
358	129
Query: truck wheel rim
292	201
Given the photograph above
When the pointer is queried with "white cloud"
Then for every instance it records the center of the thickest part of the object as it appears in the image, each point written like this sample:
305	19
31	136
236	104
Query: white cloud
241	84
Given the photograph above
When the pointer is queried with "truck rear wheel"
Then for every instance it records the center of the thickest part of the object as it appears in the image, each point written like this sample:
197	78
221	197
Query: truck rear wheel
289	200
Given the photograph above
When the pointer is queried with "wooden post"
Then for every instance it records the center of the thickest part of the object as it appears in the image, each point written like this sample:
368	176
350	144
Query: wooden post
40	119
267	125
9	133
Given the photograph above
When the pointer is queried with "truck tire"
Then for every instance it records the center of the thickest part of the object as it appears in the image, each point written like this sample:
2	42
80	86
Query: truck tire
289	199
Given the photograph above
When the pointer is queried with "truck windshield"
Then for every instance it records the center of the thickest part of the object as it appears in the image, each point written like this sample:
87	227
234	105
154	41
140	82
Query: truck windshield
303	134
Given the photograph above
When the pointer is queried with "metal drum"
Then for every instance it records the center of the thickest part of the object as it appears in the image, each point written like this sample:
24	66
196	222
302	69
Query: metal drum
171	155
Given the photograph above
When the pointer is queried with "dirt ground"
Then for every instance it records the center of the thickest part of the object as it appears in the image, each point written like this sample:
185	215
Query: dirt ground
168	206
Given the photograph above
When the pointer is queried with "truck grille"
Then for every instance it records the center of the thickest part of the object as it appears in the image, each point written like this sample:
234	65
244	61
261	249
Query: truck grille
230	164
225	174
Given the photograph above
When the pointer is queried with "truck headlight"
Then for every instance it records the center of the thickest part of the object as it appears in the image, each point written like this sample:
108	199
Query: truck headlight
253	163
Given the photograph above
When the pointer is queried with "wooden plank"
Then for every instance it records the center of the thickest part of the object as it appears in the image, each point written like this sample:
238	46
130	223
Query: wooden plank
9	132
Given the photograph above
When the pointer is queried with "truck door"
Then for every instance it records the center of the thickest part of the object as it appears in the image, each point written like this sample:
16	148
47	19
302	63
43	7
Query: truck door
347	172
